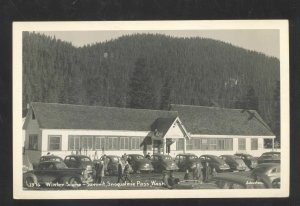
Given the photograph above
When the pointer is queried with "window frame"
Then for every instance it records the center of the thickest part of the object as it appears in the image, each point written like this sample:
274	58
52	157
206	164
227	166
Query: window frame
252	144
30	146
139	143
49	145
243	143
124	139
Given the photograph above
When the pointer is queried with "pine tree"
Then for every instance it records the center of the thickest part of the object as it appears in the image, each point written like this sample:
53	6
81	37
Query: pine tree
141	94
251	100
165	93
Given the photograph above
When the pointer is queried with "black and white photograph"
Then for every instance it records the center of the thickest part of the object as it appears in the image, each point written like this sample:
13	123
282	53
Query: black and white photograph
159	109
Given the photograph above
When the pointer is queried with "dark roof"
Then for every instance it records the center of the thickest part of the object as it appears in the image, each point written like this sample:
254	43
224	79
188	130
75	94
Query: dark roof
163	124
67	116
221	121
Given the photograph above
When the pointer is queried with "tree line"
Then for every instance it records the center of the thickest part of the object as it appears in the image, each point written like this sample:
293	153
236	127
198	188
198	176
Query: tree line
151	71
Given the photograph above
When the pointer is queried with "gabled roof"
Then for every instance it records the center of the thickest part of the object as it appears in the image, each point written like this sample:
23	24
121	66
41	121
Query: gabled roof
67	116
221	121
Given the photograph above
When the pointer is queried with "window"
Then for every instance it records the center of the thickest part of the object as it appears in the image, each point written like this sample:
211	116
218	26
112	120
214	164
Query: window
112	143
54	142
242	143
124	142
189	144
135	143
204	144
254	144
33	142
74	142
99	143
86	142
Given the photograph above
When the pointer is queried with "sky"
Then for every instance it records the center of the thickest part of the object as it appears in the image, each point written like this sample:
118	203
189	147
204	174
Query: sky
262	40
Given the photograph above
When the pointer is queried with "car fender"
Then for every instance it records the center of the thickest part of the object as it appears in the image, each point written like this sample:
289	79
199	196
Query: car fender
33	178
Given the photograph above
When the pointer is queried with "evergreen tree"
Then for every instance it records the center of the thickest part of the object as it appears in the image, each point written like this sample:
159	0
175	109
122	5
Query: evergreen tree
165	93
141	95
251	100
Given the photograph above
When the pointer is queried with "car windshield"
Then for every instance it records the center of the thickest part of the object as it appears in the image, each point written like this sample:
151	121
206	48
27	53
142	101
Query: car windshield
60	165
193	157
167	157
219	160
85	159
139	157
248	156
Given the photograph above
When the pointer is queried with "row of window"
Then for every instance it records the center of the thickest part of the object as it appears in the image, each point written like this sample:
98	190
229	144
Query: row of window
215	144
206	144
104	143
76	142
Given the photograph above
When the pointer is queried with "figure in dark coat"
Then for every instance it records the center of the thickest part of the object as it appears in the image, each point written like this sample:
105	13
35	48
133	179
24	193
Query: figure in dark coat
187	175
100	172
120	171
206	172
127	172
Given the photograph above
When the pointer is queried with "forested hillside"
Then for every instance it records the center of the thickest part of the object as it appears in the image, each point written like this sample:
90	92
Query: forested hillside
170	70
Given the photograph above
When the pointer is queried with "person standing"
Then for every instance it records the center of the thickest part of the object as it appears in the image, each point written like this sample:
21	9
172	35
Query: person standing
206	172
120	171
127	172
105	160
197	172
102	171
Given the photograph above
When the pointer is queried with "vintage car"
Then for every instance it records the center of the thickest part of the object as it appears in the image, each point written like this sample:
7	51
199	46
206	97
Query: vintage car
187	161
248	159
112	165
269	157
234	162
78	161
49	173
162	162
269	173
235	181
215	162
139	163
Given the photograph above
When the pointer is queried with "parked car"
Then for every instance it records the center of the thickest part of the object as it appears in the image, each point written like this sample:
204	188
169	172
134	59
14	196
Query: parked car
112	166
215	162
162	162
248	159
48	172
235	181
139	163
78	161
187	161
269	173
234	162
269	157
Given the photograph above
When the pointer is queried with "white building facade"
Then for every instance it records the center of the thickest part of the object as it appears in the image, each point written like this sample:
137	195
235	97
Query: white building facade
62	129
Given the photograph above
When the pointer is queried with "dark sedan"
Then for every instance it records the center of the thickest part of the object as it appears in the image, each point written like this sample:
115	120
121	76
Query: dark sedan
269	173
215	162
53	174
139	163
249	160
234	181
234	162
78	161
187	161
269	157
162	162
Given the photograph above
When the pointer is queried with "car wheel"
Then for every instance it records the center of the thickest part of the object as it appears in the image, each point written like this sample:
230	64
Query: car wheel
30	180
74	182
